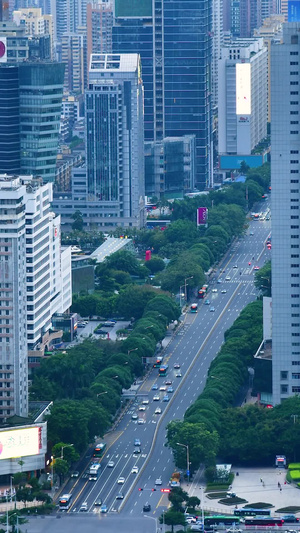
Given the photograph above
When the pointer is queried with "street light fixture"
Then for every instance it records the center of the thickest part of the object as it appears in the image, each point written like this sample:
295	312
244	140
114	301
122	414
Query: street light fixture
62	449
186	446
133	350
152	518
185	295
180	295
100	393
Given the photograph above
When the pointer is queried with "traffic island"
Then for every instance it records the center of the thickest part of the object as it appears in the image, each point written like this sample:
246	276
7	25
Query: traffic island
232	501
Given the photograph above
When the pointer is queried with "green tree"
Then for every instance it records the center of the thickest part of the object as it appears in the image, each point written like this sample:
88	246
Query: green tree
24	495
61	467
78	221
155	264
177	497
69	453
172	518
123	260
244	167
193	502
203	445
14	519
133	300
262	280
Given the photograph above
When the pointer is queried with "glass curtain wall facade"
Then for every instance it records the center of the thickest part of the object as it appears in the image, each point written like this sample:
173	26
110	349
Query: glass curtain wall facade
187	77
41	91
9	120
174	40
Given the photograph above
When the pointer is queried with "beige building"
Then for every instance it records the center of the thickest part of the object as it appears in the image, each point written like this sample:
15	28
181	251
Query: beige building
270	31
35	22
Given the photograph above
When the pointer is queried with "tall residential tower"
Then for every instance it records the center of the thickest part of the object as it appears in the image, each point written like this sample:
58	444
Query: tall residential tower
285	171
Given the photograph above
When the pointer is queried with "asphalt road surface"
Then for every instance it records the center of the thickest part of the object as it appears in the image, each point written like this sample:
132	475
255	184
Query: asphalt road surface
194	346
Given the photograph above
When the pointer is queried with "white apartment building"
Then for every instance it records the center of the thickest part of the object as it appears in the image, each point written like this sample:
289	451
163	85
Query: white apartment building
285	171
35	277
242	96
13	345
35	22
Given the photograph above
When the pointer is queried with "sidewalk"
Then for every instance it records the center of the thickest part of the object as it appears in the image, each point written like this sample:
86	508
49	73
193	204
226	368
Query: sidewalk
248	485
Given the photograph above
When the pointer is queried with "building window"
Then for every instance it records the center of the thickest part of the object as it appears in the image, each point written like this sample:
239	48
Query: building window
294	132
284	374
294	151
284	389
295	389
294	181
294	53
295	363
294	161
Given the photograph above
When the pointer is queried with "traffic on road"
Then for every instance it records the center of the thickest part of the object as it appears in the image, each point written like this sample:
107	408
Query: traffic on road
134	470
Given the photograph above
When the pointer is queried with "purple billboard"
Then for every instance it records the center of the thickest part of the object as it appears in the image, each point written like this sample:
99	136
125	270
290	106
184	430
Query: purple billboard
202	213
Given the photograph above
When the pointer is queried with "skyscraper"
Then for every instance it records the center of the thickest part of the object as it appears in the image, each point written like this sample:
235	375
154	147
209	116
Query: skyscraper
174	40
13	346
285	169
115	137
41	90
243	96
99	21
31	112
9	120
74	57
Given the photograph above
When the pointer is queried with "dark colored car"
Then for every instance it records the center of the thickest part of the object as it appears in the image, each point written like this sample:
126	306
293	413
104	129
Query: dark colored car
147	508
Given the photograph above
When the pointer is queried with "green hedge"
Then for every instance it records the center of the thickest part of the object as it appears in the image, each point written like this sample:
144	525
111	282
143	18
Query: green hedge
295	475
294	466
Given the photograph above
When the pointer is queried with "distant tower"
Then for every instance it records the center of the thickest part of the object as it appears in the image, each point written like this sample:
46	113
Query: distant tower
285	198
115	136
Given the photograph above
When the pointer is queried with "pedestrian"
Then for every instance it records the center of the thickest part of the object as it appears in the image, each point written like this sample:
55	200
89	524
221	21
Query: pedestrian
263	483
261	480
278	485
280	489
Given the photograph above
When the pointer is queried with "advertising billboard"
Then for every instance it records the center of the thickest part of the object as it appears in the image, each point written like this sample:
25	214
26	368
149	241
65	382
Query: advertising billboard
293	10
243	88
202	213
20	442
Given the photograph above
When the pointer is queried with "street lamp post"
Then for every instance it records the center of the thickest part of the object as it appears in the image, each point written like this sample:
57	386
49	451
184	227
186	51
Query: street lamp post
101	393
180	295
133	350
52	475
186	446
185	295
202	509
62	449
152	518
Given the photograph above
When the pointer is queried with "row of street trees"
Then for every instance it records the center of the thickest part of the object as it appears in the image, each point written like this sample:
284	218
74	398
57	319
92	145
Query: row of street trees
86	382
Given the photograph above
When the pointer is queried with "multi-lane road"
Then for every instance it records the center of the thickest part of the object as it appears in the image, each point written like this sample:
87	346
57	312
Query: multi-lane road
194	346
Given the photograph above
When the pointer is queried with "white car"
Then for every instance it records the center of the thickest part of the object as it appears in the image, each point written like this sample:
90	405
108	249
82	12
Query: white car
214	290
110	464
145	402
121	481
223	291
163	388
156	398
84	507
228	278
158	481
157	411
141	421
142	408
135	470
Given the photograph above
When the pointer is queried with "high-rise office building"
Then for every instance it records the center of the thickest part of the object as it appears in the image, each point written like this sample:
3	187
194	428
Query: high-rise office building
174	40
242	103
99	22
285	171
74	57
115	136
68	16
41	91
9	119
35	282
